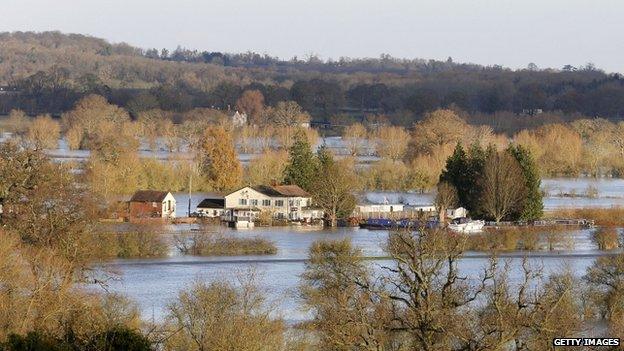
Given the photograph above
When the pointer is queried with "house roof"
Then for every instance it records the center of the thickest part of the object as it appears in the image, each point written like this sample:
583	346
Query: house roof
281	190
212	203
149	196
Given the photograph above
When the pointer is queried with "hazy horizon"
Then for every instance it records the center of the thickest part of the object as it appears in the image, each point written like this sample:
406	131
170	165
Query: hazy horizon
487	32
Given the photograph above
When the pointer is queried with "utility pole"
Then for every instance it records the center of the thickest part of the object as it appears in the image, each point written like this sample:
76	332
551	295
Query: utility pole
189	196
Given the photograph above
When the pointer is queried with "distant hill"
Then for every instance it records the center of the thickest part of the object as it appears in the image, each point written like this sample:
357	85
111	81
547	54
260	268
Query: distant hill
49	71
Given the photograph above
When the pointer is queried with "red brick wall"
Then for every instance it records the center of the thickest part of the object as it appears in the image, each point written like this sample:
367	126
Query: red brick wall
145	209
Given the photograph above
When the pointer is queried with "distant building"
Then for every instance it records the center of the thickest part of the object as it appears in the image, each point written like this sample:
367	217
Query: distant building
152	204
5	90
238	119
280	201
211	208
532	111
367	209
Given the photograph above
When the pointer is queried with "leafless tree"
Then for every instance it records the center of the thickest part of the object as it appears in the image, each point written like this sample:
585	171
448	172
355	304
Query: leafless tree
503	185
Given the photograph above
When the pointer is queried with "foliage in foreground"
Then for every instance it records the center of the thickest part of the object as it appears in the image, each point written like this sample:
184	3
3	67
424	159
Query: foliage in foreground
420	300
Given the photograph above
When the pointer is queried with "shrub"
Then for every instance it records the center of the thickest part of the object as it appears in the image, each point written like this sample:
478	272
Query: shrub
213	244
133	244
606	238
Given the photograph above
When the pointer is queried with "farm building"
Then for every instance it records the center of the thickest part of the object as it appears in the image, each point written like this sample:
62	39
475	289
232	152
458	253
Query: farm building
152	204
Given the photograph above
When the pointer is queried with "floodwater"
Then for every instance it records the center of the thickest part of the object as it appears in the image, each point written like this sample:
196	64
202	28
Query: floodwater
155	283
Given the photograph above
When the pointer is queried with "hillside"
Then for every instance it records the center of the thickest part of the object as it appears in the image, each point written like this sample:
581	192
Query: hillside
49	71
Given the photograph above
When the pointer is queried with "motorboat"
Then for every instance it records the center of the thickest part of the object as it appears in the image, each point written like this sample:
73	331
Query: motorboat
466	225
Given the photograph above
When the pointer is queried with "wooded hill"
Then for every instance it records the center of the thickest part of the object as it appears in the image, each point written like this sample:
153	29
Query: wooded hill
48	72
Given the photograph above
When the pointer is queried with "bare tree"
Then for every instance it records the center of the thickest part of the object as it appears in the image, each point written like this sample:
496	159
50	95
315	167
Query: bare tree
503	185
446	197
337	287
355	136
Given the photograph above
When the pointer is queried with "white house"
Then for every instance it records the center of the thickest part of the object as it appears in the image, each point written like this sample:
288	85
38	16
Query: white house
211	208
281	201
152	204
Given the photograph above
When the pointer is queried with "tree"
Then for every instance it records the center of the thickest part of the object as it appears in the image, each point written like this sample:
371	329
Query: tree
44	132
268	168
455	174
93	115
426	288
332	187
533	206
355	137
287	113
219	316
302	165
446	197
503	185
391	142
337	288
251	102
219	160
18	122
439	128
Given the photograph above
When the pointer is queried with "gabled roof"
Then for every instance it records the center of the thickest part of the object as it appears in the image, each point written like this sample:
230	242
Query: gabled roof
281	190
212	203
149	196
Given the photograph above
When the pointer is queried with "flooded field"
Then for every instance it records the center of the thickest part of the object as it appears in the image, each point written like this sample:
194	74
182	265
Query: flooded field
154	283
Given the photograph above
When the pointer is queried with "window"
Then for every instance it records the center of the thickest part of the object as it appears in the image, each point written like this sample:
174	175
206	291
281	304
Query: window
266	202
242	202
254	202
279	203
154	205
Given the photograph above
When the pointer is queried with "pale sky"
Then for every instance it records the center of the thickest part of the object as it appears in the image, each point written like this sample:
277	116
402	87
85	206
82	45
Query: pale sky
512	33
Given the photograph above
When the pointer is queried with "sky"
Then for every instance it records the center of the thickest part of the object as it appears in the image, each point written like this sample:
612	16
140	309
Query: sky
511	33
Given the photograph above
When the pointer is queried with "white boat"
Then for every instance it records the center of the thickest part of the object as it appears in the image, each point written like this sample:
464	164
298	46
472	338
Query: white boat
464	225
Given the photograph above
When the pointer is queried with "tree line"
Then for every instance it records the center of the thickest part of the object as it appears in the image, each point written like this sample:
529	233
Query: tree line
51	71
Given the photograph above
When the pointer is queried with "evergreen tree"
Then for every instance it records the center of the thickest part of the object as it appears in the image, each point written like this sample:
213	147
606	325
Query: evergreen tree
474	173
463	170
302	164
325	157
455	173
533	206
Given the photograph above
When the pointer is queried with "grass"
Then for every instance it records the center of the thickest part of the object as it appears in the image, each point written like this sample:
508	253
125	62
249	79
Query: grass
214	244
613	216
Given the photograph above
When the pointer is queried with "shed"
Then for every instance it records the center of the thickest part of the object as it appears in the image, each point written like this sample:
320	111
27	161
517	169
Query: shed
152	204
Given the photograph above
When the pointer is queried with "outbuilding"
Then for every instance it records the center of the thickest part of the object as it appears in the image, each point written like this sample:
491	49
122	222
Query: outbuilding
211	208
152	204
